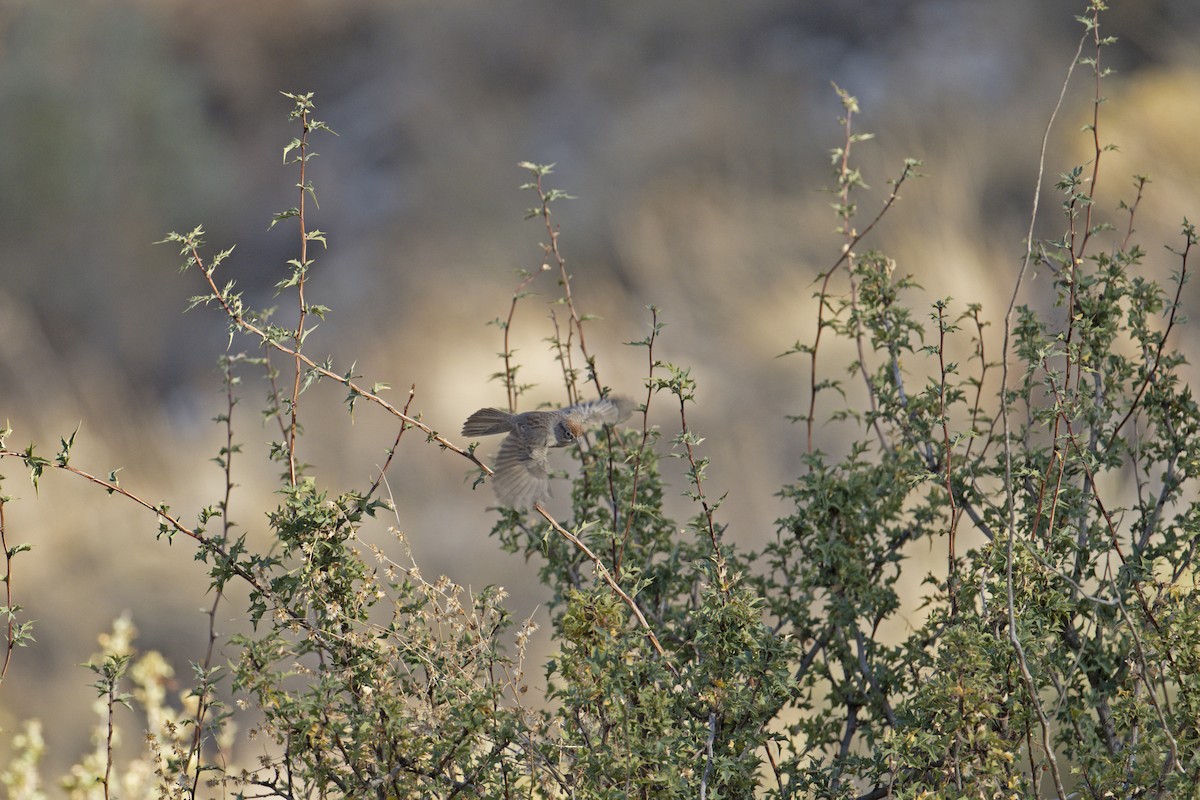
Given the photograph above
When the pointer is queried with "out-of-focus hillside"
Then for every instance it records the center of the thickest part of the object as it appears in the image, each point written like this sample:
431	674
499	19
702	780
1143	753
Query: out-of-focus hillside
695	137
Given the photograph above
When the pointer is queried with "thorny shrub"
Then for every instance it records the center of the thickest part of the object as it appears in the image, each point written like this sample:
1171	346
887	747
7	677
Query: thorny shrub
1054	655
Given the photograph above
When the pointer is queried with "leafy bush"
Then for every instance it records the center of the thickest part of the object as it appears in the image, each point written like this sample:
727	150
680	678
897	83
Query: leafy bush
1054	655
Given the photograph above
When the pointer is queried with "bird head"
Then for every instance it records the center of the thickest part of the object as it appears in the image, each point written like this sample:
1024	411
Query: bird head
566	431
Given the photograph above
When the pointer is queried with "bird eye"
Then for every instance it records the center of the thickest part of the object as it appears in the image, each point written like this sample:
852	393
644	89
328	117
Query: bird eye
563	433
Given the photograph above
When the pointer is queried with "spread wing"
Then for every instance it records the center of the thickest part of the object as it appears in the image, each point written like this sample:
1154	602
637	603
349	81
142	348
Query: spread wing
605	411
521	475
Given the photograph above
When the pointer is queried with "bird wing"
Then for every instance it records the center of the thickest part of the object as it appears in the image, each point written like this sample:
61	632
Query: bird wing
604	411
521	475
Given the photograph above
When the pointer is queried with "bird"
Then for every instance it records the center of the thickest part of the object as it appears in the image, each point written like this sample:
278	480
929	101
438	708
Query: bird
522	478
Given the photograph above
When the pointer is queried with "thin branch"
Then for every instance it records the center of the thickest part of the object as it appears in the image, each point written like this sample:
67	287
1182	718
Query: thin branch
869	674
604	573
108	740
510	372
8	595
955	513
552	250
251	328
202	702
391	453
708	754
1013	635
301	276
1162	343
637	457
696	474
823	295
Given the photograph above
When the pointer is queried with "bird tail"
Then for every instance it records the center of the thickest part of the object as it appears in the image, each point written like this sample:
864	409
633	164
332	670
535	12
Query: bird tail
487	421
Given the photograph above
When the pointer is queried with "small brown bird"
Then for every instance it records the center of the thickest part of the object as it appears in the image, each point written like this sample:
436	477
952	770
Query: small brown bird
521	475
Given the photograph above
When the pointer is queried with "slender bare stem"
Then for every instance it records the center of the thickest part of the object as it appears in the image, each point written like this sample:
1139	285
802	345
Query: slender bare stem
608	578
251	328
553	252
510	383
8	595
1010	501
637	458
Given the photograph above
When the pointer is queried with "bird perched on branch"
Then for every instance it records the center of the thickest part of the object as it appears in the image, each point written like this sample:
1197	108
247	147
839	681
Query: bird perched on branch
522	478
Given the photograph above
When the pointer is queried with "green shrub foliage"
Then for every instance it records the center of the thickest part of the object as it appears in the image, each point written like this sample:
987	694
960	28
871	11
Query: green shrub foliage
1046	454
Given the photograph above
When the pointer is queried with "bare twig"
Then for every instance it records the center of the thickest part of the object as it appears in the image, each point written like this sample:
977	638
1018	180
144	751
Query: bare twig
412	390
553	252
168	523
241	322
1010	501
608	578
301	277
1162	343
869	674
685	436
1140	182
708	754
108	739
853	238
637	458
510	372
955	512
8	596
202	703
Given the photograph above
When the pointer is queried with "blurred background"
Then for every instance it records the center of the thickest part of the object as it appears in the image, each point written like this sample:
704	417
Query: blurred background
695	136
